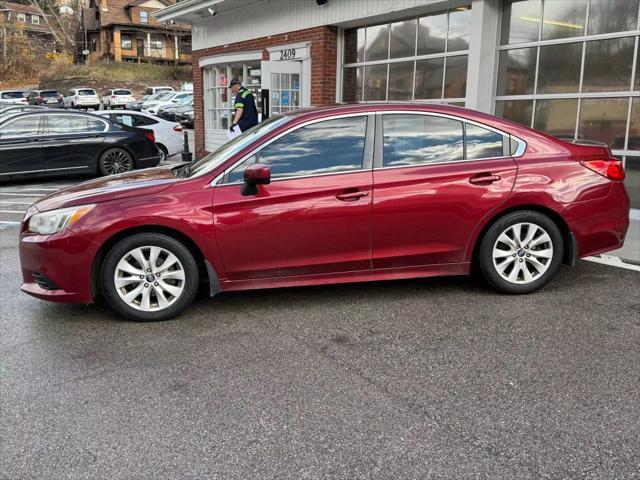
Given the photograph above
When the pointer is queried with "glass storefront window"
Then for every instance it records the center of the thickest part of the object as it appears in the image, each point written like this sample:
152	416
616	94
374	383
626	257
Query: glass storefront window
559	70
557	117
403	39
515	110
400	80
608	64
632	179
564	18
389	62
517	69
604	120
607	16
377	43
521	21
634	126
432	34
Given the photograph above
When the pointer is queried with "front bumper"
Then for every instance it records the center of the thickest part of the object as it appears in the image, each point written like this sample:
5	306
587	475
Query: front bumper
64	259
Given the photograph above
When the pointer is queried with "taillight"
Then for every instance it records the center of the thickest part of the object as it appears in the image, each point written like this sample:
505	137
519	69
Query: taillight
113	96
611	168
150	136
177	128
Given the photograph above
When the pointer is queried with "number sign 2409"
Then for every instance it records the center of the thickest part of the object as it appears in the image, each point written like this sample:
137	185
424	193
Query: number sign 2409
288	54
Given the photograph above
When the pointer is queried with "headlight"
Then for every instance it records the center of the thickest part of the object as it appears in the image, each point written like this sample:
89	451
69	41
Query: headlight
47	223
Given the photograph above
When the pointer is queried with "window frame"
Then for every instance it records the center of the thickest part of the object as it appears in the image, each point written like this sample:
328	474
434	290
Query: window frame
146	16
367	154
45	125
41	124
378	161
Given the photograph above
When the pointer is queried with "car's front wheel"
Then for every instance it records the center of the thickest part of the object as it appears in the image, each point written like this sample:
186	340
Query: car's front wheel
149	277
521	252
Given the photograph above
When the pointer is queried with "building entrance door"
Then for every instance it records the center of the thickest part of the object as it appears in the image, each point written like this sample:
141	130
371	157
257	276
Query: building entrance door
140	47
283	80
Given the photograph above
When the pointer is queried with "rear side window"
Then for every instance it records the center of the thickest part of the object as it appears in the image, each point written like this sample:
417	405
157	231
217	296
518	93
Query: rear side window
132	120
331	146
421	140
21	127
59	124
482	143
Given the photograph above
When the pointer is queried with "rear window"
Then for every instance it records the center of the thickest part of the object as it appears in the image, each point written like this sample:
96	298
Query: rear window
12	95
122	92
49	93
164	89
86	92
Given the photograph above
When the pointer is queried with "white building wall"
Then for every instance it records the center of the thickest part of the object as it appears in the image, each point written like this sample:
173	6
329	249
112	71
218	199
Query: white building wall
271	17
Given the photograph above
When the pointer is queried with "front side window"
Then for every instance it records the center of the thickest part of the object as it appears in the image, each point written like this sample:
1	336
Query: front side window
60	124
421	140
21	127
331	146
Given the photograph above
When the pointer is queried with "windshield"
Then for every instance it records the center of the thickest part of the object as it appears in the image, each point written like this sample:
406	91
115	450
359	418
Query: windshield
185	100
232	147
12	95
86	92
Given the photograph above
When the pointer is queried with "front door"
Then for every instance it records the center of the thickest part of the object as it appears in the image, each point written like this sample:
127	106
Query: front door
314	217
283	80
20	151
140	43
435	181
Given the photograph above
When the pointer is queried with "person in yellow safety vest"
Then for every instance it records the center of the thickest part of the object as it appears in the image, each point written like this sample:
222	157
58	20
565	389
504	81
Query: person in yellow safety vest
246	114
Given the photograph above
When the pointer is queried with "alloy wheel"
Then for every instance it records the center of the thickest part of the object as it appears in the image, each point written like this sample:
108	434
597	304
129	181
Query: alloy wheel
149	278
522	253
116	161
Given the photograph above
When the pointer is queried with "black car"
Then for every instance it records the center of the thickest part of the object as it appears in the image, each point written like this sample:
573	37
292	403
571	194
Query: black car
50	142
46	98
174	114
187	119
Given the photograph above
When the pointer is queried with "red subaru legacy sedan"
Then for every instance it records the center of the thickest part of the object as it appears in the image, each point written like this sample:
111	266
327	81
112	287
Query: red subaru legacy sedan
329	195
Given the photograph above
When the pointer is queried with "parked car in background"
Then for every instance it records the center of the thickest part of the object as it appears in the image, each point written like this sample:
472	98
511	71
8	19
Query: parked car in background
58	142
339	194
13	97
156	97
82	97
137	105
178	102
149	91
117	97
10	110
174	114
171	99
168	135
47	98
187	119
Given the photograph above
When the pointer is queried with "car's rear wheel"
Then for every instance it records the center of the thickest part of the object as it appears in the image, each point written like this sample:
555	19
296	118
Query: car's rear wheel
149	277
114	161
521	252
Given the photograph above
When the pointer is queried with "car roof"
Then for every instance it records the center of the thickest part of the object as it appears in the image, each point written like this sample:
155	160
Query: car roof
52	111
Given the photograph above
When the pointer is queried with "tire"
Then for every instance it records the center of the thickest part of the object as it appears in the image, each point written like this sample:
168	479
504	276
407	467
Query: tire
140	299
114	161
164	153
511	267
72	106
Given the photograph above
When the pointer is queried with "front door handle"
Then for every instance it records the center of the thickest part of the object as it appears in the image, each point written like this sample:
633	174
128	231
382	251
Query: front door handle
351	196
484	179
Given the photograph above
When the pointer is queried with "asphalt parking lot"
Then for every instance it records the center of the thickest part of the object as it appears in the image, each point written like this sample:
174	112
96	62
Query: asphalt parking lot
433	378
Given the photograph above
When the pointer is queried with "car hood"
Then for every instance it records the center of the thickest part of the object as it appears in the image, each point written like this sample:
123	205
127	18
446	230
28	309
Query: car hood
132	184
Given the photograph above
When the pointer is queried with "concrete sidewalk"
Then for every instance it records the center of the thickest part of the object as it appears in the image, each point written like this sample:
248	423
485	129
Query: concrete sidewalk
631	250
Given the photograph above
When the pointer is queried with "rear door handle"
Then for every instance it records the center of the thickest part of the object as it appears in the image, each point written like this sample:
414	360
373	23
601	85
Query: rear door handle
351	196
484	178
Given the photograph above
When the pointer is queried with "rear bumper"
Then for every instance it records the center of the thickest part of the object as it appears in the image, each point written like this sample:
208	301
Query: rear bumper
599	225
65	259
148	162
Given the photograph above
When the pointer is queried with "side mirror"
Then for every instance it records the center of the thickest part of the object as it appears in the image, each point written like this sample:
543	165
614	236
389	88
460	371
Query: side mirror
254	175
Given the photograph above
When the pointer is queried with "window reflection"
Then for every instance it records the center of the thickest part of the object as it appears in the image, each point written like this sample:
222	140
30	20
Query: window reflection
557	117
354	45
515	110
559	68
420	140
634	126
517	70
564	18
375	82
607	65
432	34
604	120
606	16
429	78
459	29
403	39
521	21
21	127
400	80
455	80
325	147
377	43
482	143
352	84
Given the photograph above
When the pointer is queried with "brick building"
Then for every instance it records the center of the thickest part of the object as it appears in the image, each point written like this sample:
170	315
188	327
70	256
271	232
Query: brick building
29	19
569	68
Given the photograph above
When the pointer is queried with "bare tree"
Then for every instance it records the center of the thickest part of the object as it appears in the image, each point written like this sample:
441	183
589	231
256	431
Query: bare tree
63	20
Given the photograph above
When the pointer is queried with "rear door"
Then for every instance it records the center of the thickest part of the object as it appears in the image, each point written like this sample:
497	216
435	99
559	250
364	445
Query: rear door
20	151
72	141
435	179
314	217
